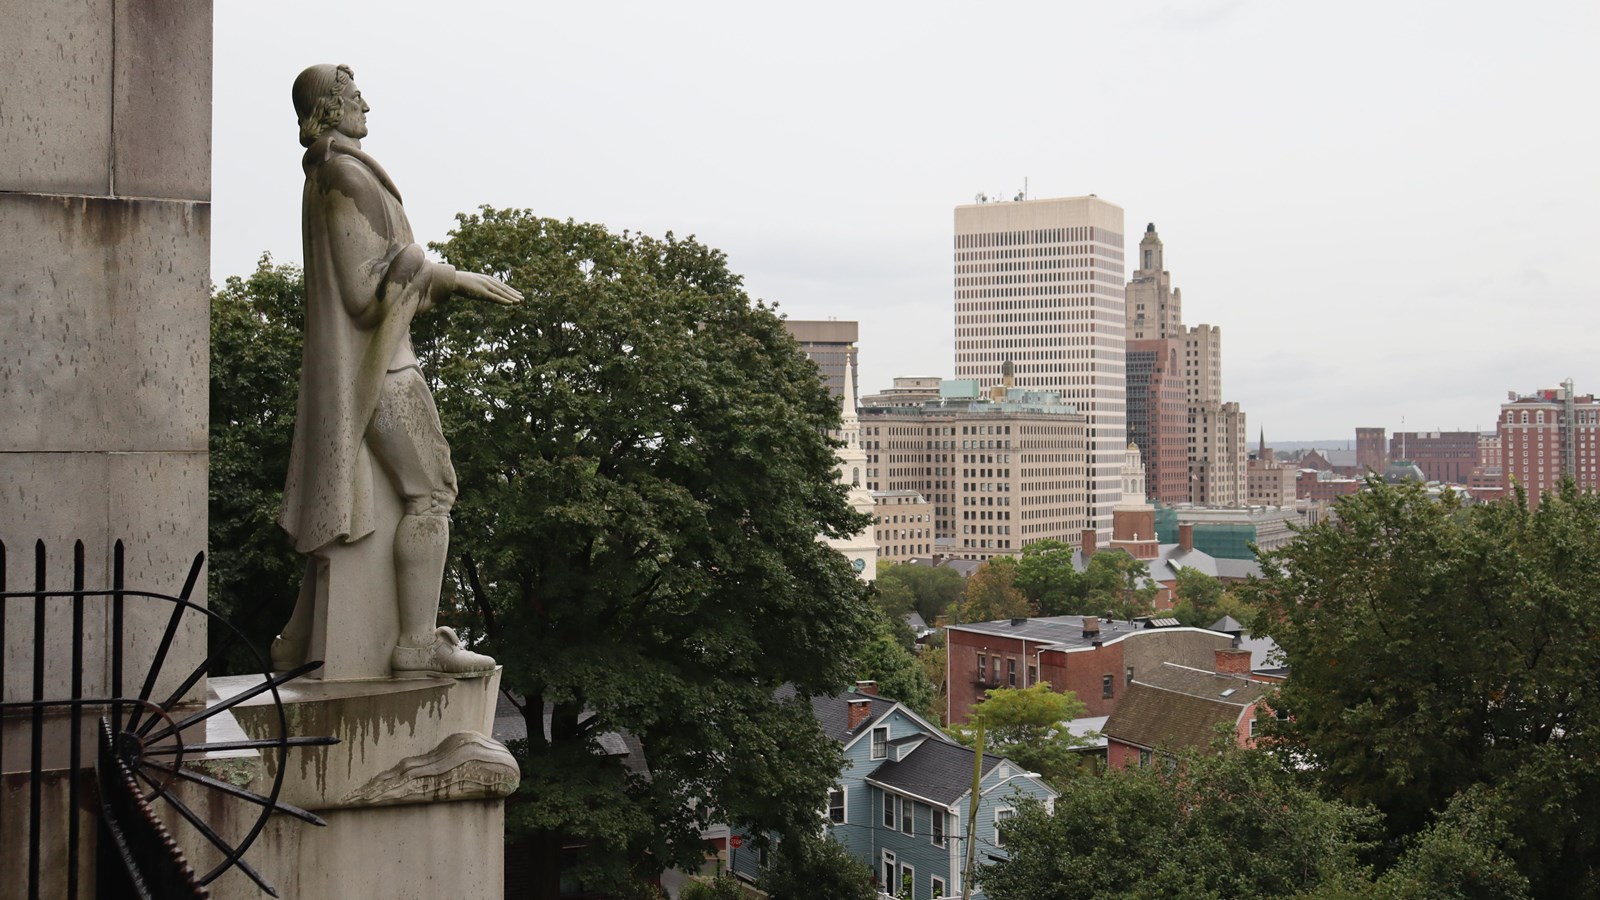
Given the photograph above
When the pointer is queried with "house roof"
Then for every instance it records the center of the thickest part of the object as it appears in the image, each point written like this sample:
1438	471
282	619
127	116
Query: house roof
936	771
1177	708
833	713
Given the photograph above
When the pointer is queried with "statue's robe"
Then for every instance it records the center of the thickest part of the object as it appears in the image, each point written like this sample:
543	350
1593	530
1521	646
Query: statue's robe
365	279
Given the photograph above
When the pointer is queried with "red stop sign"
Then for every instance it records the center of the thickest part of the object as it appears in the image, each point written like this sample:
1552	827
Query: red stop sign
737	841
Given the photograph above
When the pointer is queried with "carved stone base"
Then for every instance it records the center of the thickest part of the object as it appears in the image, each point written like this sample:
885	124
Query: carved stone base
413	795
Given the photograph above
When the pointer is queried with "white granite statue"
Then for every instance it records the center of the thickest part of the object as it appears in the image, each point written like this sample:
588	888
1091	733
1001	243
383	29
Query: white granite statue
366	423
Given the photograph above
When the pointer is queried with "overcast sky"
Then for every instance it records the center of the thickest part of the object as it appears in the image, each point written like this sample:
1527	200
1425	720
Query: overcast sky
1391	208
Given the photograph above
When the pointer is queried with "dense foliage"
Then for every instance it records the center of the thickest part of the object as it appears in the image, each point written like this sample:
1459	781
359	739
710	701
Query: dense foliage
644	474
1027	726
806	867
1112	583
1441	653
252	572
1233	825
926	590
991	593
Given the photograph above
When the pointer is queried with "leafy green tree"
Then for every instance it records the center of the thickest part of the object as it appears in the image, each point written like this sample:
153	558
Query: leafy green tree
1235	825
253	573
991	593
644	476
930	590
807	866
896	670
1027	726
1118	585
1045	574
933	659
1437	649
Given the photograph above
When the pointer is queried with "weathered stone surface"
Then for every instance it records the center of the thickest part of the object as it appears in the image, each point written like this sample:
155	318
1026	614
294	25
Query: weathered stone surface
55	98
161	135
56	498
465	766
103	323
157	509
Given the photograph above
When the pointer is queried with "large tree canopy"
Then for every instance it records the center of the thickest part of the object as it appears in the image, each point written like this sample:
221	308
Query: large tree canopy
253	572
1439	651
644	474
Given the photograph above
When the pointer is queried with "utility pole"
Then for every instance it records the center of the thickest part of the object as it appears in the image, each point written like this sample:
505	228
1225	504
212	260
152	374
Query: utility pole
972	818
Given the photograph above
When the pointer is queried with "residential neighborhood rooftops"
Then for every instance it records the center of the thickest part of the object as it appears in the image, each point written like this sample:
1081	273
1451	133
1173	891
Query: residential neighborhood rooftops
833	713
938	771
1066	631
1177	708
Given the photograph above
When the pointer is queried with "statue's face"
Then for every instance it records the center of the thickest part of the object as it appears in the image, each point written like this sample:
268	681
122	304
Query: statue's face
353	115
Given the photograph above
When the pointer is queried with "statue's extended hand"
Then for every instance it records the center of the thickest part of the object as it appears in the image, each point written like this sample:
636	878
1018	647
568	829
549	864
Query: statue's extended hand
483	287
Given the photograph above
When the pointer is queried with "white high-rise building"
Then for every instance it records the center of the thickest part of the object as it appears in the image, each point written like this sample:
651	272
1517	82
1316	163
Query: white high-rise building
1040	282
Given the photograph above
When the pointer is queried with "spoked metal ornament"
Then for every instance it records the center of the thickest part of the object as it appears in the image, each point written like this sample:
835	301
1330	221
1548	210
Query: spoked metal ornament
148	745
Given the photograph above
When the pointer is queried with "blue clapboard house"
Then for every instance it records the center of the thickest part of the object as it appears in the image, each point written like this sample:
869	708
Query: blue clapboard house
904	795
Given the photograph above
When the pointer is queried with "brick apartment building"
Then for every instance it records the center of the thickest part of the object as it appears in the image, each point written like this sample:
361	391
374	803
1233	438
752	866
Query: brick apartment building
1094	658
1547	435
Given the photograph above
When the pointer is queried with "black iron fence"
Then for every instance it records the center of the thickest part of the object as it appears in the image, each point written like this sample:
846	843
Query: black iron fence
145	738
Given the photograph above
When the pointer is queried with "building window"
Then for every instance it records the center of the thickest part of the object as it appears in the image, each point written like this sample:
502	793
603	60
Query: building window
983	668
936	826
1011	672
880	743
908	877
1001	816
1106	682
908	822
889	872
1144	758
936	887
1130	676
836	807
890	801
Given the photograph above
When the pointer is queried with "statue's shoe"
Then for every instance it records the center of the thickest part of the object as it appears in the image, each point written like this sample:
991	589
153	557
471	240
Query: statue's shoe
286	654
444	657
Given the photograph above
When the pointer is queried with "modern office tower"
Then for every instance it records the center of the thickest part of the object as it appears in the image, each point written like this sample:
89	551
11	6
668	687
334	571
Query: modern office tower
1372	452
1548	435
830	344
1002	468
1154	305
1158	417
1447	456
1040	282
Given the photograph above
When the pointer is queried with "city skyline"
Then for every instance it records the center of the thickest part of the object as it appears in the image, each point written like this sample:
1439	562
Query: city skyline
1386	221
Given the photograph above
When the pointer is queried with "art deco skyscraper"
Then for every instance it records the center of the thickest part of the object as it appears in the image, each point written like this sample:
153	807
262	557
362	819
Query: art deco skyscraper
1040	282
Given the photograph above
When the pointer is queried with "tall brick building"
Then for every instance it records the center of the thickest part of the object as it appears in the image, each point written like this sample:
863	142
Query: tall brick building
1445	456
1547	435
1158	417
1372	454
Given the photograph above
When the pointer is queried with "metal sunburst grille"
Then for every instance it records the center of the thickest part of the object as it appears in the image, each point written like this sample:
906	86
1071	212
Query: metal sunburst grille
148	745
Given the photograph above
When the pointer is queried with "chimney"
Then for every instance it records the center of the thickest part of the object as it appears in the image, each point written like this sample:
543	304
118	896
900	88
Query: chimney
1088	543
1232	662
862	708
1091	626
1186	537
1018	621
867	687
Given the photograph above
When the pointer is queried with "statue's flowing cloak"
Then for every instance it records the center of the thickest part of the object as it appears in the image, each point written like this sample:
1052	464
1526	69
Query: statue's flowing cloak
365	280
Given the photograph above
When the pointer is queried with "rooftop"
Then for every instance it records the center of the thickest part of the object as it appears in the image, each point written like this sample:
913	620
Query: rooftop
936	771
1177	708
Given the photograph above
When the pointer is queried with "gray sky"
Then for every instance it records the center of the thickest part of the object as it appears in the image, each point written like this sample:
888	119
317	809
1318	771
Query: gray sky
1391	208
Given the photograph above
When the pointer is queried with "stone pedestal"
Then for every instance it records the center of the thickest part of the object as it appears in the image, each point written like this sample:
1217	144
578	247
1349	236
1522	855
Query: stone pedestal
352	635
413	794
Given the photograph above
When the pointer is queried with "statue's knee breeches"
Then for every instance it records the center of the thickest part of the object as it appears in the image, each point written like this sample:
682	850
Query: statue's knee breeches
408	443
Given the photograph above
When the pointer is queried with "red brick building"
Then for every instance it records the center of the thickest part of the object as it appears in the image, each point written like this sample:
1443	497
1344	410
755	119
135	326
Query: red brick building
1158	417
1371	454
1175	708
1443	456
1310	485
1094	658
1547	435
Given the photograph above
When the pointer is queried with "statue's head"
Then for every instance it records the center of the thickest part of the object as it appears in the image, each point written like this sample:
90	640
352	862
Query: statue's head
325	97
